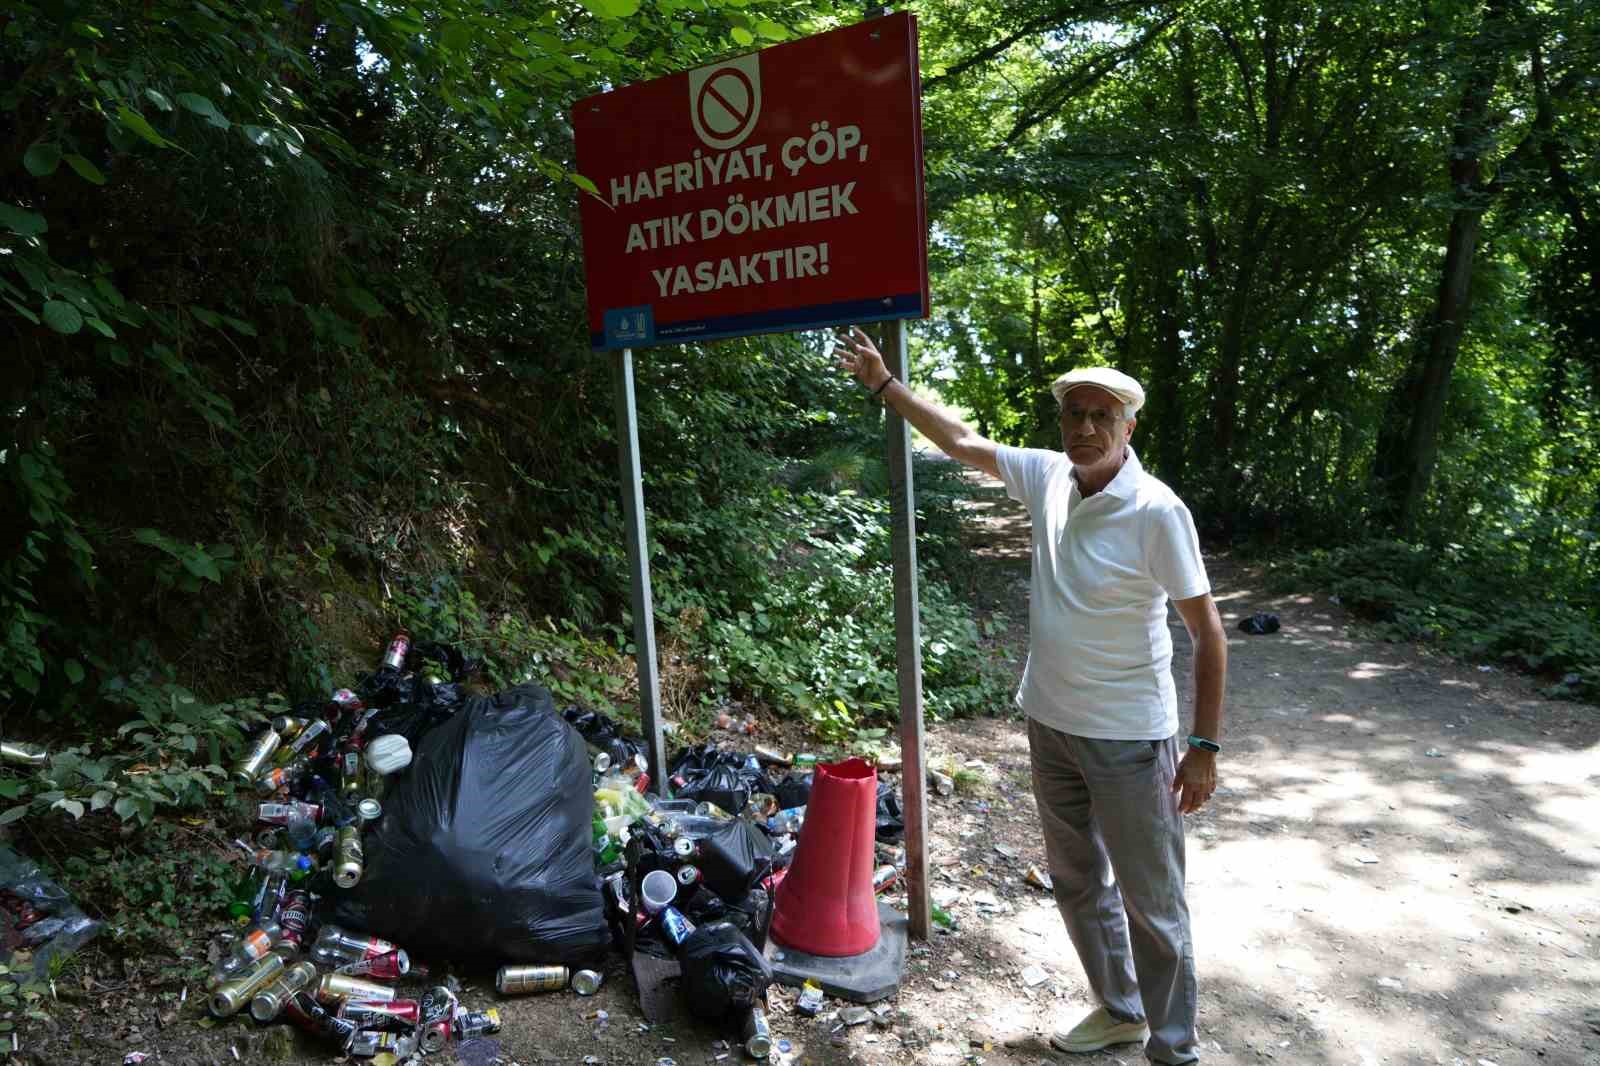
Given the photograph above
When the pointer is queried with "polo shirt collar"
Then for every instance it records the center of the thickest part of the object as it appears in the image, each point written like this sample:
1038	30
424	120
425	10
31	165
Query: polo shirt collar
1123	485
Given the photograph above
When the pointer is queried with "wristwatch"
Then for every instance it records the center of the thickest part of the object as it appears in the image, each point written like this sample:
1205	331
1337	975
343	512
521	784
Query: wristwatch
1203	744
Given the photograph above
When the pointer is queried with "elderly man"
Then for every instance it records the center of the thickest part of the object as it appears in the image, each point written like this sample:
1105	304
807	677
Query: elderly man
1111	545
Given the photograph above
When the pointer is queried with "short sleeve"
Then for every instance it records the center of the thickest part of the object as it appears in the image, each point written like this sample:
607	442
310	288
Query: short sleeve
1172	551
1025	472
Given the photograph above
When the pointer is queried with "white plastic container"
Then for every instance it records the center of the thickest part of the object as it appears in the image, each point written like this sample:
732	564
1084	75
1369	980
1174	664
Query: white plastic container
388	753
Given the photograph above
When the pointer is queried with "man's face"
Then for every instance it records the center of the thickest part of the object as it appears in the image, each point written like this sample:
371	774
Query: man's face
1093	431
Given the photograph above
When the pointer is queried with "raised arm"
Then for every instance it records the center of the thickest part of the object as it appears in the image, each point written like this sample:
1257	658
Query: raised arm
959	441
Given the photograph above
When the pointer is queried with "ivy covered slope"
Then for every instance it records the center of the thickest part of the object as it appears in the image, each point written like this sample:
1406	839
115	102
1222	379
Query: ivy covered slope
294	323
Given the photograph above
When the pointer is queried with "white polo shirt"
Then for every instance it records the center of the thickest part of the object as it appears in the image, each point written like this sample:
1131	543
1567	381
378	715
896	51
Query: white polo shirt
1100	655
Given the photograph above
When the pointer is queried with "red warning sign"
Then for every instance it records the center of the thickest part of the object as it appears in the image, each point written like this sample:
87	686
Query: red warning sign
777	190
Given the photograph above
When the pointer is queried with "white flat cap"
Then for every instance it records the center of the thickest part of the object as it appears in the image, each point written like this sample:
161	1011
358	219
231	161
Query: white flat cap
1118	384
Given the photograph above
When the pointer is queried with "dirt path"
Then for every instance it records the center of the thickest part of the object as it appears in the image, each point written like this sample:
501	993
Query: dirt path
1400	867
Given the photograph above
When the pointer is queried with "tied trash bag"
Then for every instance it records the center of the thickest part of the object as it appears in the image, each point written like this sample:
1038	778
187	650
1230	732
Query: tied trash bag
37	915
793	791
484	850
706	774
722	971
1259	625
733	857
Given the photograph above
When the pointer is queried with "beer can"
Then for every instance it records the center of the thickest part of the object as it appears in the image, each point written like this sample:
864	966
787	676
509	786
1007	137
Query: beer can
303	1009
707	809
289	725
394	657
230	996
771	756
268	1003
21	754
884	876
435	1035
756	1035
398	1014
369	809
257	759
520	980
477	1023
688	875
309	735
675	925
586	982
602	763
348	858
683	847
332	987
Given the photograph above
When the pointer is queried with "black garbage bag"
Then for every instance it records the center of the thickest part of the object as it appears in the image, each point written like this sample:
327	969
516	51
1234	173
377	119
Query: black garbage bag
733	857
603	733
700	773
1259	625
416	706
793	791
891	822
721	784
484	849
723	973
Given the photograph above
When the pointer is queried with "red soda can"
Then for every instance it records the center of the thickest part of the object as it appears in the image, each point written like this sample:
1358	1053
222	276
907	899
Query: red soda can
345	700
398	1014
435	1035
390	966
884	876
641	784
438	1004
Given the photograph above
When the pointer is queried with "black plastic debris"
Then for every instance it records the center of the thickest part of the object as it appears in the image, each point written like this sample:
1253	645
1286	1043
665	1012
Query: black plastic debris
1259	625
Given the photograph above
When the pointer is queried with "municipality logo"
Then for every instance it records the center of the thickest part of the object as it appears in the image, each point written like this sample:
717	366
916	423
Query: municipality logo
725	101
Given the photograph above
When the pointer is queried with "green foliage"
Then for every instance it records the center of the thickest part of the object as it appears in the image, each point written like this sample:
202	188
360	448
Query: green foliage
154	888
1467	600
19	993
169	757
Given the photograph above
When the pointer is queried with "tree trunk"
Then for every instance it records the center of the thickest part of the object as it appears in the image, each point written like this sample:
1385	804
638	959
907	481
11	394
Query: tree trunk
1408	443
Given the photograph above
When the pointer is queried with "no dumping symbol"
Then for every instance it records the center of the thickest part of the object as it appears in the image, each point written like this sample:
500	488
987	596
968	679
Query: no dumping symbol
725	101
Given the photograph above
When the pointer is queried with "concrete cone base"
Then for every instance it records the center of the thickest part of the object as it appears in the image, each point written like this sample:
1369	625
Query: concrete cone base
866	978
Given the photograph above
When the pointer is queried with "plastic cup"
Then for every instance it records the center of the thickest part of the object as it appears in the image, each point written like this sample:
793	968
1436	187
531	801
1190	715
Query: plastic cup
658	889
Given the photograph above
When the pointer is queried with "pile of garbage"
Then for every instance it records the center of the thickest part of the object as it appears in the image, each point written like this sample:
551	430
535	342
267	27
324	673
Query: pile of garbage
497	831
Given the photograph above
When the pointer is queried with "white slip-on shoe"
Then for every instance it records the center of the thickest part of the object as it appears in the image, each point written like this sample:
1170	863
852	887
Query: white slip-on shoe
1099	1030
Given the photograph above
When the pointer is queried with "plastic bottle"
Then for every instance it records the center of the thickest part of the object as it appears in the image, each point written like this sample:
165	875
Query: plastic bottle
255	944
302	831
286	862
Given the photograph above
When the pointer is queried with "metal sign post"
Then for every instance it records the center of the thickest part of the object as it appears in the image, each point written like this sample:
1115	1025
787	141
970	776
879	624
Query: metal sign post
644	622
908	643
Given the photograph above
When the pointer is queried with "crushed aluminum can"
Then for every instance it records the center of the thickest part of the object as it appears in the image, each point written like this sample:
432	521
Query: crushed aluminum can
477	1023
884	876
1038	878
434	1036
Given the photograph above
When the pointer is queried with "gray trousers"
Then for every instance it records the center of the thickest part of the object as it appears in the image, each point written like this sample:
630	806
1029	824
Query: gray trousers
1113	840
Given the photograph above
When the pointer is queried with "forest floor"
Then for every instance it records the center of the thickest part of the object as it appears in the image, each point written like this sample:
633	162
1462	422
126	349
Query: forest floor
1401	865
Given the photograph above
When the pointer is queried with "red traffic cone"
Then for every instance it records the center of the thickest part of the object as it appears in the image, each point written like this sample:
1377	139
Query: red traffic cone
825	904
